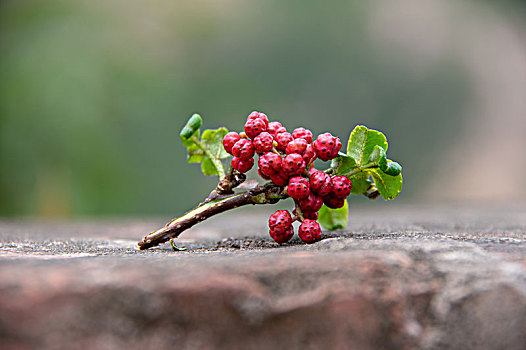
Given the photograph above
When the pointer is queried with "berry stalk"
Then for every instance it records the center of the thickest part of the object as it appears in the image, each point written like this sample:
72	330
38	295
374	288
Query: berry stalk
266	194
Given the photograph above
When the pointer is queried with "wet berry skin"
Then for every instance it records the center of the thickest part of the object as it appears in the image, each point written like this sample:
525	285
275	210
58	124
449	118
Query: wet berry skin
279	179
327	146
320	183
230	140
309	155
311	203
280	221
264	167
309	231
243	149
254	127
302	133
293	164
275	128
269	164
333	202
283	139
298	188
282	237
296	146
256	115
263	143
274	160
341	186
263	176
242	165
313	215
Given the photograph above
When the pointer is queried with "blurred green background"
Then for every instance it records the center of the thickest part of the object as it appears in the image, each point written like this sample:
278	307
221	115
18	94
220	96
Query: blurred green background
93	93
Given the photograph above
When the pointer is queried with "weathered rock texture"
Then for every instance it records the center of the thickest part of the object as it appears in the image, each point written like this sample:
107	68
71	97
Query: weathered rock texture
416	278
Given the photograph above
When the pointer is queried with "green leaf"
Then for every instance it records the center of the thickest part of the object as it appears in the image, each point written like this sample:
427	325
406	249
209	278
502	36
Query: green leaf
196	157
208	135
195	122
195	153
194	148
382	164
360	183
213	141
362	142
388	186
192	125
332	219
343	164
377	156
208	150
189	141
211	147
390	168
208	168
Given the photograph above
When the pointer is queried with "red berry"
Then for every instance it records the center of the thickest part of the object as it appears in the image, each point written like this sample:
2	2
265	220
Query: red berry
341	186
280	130
280	221
337	148
293	164
243	149
242	165
333	202
263	142
309	231
296	146
321	183
254	127
283	140
311	203
313	215
303	134
275	128
298	188
274	161
265	177
279	179
312	170
282	237
270	163
259	115
326	139
327	146
309	155
264	167
230	140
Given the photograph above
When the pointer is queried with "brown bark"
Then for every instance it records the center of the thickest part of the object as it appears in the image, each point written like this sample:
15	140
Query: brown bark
267	194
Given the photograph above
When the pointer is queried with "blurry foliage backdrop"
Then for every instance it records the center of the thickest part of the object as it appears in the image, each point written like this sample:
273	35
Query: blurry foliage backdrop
93	93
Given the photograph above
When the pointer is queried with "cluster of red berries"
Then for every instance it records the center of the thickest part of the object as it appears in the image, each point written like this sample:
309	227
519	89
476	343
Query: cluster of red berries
287	160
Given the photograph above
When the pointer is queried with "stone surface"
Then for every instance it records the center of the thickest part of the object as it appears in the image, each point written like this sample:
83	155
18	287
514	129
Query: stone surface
400	277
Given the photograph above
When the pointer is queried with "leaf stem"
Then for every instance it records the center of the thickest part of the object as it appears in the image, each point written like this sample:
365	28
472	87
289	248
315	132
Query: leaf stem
360	169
